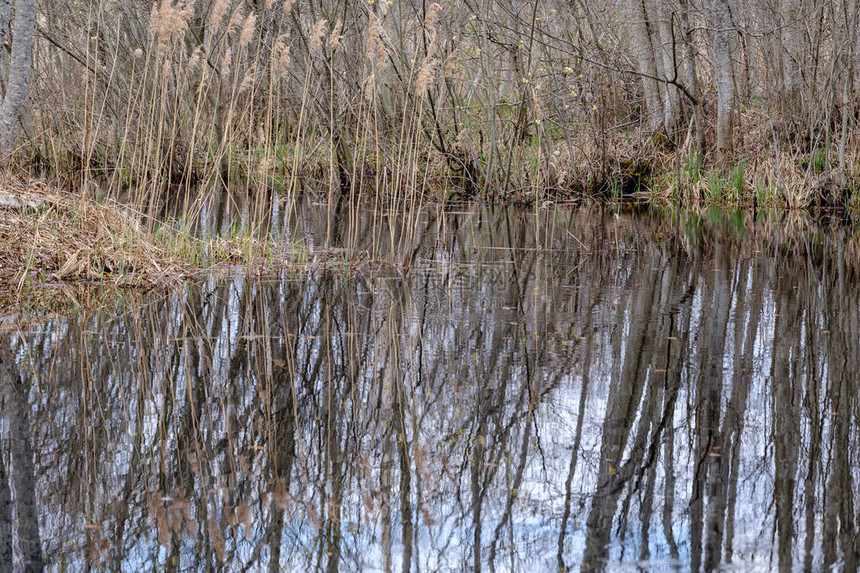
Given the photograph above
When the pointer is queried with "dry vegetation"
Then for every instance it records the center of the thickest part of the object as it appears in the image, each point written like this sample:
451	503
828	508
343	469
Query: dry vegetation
54	237
48	235
426	101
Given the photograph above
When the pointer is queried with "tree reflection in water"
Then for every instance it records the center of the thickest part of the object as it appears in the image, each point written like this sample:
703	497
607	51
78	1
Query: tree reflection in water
560	390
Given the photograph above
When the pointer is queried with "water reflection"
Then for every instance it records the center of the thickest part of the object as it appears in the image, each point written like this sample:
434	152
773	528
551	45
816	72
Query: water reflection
567	389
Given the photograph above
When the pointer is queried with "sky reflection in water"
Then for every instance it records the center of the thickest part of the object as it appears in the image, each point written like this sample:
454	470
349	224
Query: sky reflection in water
560	390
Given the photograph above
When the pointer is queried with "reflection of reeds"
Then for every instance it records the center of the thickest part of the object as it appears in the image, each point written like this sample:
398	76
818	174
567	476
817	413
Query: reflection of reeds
350	414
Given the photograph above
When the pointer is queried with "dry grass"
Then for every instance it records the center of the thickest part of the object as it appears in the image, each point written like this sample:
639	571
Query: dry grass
48	236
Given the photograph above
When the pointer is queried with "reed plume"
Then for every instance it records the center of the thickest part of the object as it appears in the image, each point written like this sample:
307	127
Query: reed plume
426	75
236	20
427	71
281	59
248	79
168	22
219	10
336	37
248	30
316	36
370	88
375	49
433	12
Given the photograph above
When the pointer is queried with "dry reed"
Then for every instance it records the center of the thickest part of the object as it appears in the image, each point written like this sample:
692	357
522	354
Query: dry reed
466	99
53	235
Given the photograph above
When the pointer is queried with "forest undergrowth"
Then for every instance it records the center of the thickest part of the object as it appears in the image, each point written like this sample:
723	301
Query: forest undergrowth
721	101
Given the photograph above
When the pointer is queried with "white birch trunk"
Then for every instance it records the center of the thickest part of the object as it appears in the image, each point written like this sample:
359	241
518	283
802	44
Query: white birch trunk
5	16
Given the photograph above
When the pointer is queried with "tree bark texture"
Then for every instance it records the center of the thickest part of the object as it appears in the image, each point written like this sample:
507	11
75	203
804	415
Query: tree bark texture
18	75
725	83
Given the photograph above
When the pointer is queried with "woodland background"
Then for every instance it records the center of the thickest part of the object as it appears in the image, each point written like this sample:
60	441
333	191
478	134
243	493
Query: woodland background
723	100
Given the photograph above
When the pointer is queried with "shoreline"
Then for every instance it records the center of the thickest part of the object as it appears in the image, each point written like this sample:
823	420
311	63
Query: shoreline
54	236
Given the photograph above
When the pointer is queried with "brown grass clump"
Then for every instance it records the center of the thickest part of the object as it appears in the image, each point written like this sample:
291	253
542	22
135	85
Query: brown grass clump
49	235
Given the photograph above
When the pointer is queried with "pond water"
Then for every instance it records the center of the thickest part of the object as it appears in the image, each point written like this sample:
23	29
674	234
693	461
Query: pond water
553	390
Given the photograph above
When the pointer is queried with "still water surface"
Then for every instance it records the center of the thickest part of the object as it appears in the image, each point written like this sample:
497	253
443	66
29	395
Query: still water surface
566	389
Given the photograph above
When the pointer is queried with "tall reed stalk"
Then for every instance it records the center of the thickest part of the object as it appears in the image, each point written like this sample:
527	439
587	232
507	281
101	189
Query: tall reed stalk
166	104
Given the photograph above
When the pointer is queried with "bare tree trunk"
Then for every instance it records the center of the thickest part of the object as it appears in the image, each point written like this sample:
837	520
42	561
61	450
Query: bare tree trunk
725	83
5	17
850	11
18	79
791	50
692	77
639	29
667	64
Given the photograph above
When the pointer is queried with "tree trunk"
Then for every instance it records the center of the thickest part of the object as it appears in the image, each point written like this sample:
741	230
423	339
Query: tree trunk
850	11
5	17
692	77
639	30
667	65
18	76
791	56
725	83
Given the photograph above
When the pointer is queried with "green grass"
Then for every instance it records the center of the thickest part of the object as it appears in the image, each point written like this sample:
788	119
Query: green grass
693	168
736	181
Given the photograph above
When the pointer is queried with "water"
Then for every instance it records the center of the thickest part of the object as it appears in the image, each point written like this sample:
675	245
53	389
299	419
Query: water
567	389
